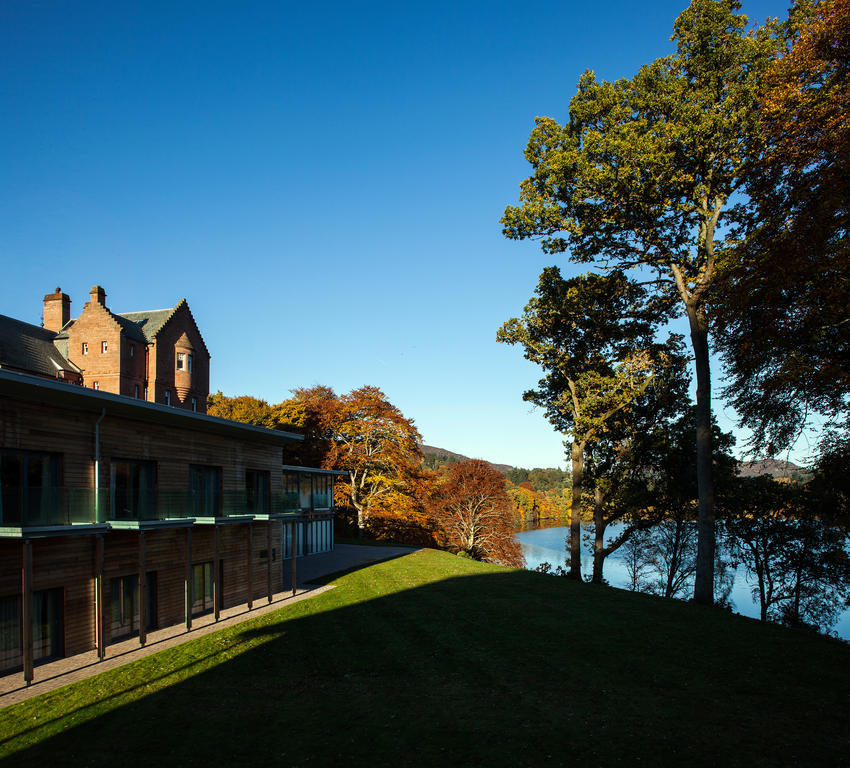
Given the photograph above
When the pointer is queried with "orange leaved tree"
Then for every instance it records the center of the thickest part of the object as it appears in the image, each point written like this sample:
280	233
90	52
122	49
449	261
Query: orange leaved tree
378	447
473	513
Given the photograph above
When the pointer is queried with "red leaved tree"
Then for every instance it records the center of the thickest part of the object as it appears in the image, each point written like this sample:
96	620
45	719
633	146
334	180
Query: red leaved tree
473	514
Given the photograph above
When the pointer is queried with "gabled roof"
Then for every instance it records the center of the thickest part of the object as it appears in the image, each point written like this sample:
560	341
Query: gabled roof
131	329
150	322
27	347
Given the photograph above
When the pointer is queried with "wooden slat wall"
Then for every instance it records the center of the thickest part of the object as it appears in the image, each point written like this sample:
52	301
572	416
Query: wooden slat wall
69	561
36	427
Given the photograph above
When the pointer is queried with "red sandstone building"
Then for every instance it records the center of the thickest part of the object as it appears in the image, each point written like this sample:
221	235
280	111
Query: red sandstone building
123	507
157	355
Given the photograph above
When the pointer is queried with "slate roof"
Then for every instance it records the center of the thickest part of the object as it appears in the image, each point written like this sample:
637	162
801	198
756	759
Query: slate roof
30	348
148	323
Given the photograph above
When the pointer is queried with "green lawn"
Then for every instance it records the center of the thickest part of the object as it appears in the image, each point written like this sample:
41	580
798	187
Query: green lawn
431	659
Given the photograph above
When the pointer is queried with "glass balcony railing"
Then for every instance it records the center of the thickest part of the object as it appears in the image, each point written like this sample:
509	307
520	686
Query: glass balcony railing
37	507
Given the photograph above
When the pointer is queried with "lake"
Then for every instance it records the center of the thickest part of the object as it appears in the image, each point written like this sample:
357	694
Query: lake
548	545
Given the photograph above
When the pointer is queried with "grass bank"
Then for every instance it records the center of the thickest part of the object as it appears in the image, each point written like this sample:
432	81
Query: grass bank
431	659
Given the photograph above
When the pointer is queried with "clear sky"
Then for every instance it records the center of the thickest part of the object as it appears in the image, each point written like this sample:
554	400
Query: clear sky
321	181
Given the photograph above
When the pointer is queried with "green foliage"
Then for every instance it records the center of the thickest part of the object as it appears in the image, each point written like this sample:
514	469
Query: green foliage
590	335
643	177
547	479
434	461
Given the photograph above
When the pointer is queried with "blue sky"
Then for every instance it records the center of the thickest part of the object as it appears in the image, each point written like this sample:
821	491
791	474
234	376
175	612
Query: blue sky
323	183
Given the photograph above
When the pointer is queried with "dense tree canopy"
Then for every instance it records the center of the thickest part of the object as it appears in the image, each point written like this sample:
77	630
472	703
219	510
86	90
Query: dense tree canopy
783	327
592	335
642	175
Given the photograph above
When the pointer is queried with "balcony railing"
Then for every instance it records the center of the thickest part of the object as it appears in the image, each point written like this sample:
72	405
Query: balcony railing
41	507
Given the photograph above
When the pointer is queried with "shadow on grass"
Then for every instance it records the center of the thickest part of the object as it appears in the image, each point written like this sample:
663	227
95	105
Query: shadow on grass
486	667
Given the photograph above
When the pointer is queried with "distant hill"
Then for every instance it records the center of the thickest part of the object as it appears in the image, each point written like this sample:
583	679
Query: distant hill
440	456
772	467
437	457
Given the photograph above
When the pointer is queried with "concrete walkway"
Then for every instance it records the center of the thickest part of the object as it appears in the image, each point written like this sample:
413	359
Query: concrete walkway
65	671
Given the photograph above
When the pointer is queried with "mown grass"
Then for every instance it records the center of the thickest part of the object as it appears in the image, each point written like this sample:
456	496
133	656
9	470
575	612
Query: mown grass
431	659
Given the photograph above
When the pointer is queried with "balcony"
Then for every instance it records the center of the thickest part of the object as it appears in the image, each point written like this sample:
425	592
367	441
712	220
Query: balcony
39	507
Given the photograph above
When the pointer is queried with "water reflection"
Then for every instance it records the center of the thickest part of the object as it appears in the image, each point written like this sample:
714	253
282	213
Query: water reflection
548	545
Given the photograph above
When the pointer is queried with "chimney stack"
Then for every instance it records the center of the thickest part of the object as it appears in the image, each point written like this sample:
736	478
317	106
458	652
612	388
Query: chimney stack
97	295
57	310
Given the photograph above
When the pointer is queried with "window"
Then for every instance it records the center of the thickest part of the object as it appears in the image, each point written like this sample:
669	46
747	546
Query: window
257	484
30	488
306	491
132	350
202	586
189	360
136	391
167	397
291	485
181	361
132	490
10	632
322	491
205	490
195	404
124	605
104	347
85	348
95	385
47	628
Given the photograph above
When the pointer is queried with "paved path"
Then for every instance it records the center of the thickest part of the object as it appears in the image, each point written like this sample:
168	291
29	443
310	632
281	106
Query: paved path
65	671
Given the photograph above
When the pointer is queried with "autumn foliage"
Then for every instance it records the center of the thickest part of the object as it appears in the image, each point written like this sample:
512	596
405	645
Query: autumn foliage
472	513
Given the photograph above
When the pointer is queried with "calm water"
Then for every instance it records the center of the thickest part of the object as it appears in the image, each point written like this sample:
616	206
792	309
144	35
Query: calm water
547	545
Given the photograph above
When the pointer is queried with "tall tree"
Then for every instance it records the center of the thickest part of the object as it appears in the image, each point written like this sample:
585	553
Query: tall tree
784	333
641	177
591	335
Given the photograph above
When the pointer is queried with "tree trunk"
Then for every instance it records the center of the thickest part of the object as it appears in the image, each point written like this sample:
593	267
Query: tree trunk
704	581
598	537
577	455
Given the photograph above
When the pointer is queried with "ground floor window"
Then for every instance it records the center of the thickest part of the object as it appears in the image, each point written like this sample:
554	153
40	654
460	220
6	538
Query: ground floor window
202	586
48	628
124	605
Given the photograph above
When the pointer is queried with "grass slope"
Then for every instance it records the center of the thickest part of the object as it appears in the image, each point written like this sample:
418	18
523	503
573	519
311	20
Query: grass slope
431	659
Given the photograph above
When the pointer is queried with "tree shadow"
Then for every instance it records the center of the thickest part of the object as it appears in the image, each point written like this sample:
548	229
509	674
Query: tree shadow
500	668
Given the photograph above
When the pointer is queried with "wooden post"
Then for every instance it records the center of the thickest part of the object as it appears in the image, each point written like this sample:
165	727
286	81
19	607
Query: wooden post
99	606
269	559
188	579
26	609
294	553
250	563
216	582
143	583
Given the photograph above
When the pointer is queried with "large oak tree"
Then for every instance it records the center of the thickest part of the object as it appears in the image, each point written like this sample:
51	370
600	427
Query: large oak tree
642	176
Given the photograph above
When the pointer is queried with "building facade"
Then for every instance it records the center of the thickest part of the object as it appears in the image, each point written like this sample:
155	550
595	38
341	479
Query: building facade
123	506
157	355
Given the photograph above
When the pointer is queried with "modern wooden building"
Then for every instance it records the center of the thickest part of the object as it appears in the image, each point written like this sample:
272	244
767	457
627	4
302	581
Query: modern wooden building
119	515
